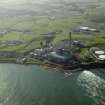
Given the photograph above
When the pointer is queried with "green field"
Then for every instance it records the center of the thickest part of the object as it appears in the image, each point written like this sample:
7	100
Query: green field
51	16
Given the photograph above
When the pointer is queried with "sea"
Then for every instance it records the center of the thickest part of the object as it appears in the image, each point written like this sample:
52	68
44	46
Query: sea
35	85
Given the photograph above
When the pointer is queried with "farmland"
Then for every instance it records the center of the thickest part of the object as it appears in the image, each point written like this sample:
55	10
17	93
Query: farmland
26	23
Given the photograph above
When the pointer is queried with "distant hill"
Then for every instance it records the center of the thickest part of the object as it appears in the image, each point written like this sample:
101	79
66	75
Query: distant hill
43	7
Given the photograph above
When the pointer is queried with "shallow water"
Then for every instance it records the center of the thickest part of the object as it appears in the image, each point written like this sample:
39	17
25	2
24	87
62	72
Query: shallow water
31	85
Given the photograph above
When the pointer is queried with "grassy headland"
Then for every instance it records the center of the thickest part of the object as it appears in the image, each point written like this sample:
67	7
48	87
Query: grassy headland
51	16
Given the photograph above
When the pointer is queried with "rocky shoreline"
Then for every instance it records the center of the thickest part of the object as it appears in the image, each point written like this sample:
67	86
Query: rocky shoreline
47	64
24	59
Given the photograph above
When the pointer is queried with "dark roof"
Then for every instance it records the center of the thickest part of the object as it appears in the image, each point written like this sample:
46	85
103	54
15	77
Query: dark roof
65	44
95	49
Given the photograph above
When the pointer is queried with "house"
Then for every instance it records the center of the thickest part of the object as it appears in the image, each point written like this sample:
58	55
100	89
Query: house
3	33
23	60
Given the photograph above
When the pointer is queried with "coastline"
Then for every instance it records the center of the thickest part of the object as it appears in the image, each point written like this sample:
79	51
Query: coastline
48	64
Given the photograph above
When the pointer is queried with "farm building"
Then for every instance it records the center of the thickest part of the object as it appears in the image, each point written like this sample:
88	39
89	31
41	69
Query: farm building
85	29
